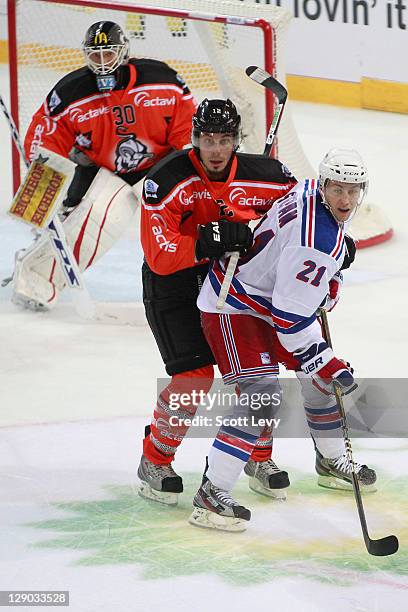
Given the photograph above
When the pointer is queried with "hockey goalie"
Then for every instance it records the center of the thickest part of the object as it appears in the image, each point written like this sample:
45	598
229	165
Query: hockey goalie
114	118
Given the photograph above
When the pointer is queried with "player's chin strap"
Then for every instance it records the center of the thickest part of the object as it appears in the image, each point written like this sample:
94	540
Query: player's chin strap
269	82
81	299
384	546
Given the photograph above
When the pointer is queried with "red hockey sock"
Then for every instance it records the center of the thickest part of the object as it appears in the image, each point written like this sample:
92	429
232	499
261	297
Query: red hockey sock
164	438
263	447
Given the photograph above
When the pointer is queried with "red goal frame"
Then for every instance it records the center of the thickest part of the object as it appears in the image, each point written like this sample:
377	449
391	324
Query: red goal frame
265	26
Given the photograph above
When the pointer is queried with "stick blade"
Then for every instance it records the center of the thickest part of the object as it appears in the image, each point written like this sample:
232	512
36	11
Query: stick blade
383	547
267	80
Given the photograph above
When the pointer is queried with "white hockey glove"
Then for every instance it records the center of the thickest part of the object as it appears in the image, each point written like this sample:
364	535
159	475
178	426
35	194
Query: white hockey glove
320	363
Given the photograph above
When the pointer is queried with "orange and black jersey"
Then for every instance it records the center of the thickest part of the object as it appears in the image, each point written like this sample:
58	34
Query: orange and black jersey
147	115
178	196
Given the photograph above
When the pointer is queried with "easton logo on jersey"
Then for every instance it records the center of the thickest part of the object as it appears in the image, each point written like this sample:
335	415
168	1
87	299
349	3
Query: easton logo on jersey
130	153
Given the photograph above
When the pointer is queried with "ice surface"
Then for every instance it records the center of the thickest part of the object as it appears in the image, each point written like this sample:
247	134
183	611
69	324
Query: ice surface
75	397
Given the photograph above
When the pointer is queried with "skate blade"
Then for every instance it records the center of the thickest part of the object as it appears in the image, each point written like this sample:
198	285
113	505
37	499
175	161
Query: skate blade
331	482
211	520
162	497
257	487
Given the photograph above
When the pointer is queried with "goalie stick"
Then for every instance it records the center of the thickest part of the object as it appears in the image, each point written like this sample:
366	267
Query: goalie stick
384	546
269	82
82	300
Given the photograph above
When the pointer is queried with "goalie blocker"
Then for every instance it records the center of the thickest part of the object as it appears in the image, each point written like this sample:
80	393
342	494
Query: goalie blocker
91	229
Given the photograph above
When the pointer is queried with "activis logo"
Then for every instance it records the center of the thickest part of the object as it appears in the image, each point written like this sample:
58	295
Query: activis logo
160	220
186	200
237	196
143	99
76	114
159	236
237	193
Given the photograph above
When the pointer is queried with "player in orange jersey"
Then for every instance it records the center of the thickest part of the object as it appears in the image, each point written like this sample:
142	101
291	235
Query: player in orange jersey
114	118
196	205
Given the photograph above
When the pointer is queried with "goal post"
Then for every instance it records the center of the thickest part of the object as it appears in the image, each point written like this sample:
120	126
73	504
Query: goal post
209	42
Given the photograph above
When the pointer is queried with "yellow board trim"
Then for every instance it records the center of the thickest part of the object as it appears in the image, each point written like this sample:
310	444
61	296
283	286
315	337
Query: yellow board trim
372	94
384	95
3	52
324	91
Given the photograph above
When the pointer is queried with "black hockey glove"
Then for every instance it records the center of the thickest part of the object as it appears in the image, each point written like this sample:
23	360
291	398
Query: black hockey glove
350	252
219	237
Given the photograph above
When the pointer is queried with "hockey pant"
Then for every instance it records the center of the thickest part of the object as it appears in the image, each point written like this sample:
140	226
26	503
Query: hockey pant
172	314
248	352
91	229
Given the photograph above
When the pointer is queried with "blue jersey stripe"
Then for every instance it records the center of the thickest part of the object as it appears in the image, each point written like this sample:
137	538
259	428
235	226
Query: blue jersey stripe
231	450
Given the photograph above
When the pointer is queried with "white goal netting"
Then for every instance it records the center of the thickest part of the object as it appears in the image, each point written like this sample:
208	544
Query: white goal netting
209	42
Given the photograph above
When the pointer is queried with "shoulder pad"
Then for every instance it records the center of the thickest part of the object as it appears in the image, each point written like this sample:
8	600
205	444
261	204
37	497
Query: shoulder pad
72	87
166	174
153	71
263	168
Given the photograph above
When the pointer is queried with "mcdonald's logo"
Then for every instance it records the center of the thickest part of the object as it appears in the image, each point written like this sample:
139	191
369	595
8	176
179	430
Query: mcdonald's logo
101	38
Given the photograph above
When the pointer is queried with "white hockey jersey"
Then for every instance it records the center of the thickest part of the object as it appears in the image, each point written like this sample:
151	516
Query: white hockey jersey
284	278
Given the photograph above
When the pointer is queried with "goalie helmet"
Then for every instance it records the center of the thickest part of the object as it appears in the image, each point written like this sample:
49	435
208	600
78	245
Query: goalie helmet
343	166
105	47
215	117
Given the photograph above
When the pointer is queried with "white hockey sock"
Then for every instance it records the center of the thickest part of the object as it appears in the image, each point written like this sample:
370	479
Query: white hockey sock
330	447
228	456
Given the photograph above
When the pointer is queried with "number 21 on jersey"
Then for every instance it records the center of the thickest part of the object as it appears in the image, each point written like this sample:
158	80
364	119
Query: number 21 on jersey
309	274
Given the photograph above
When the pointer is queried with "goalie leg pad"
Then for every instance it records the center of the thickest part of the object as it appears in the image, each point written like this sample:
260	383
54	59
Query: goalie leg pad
91	230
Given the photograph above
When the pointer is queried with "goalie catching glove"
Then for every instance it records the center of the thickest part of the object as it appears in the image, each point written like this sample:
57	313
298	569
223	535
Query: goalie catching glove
319	362
219	237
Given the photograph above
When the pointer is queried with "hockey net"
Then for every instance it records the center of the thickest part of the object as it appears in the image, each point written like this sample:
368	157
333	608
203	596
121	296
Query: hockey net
209	42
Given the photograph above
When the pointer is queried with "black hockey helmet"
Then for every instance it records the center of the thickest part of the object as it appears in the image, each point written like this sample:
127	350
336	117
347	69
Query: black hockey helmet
215	117
105	36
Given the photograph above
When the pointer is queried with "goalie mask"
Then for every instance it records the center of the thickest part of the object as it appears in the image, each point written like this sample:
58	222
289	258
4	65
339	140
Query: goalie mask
105	48
216	117
343	181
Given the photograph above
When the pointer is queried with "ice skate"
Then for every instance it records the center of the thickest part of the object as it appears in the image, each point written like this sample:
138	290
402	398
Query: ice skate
214	508
28	303
159	483
267	479
336	474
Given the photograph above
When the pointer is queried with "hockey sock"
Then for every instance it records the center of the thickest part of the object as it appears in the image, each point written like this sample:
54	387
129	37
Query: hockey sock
165	436
228	455
325	428
263	447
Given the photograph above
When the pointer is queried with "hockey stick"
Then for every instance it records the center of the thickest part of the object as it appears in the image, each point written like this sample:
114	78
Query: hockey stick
82	300
384	546
269	82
